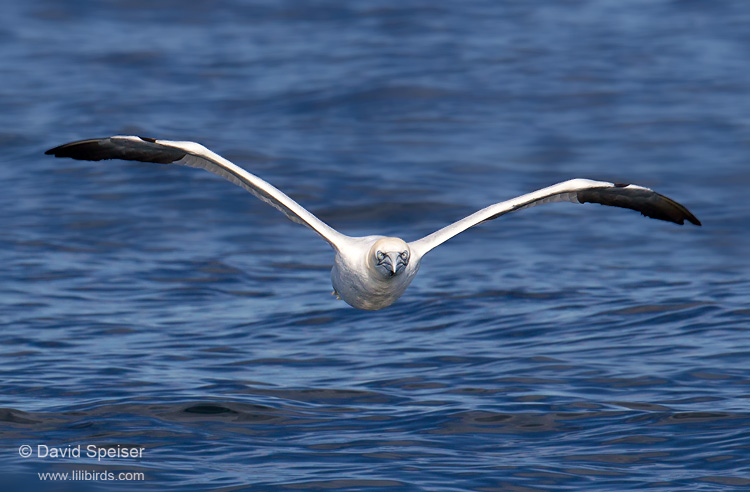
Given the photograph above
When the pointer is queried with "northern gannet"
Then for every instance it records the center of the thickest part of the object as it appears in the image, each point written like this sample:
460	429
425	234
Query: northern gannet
371	272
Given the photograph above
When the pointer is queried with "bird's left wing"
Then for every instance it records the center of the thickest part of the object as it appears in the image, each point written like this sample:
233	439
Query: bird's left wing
195	155
644	200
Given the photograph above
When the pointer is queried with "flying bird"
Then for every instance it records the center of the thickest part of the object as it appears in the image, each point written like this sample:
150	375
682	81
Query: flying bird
371	272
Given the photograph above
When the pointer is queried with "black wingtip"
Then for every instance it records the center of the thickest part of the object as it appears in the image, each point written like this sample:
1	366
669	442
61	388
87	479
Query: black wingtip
81	149
681	220
141	149
56	151
647	202
682	214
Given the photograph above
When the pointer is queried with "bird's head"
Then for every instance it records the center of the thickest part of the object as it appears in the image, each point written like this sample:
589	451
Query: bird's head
389	256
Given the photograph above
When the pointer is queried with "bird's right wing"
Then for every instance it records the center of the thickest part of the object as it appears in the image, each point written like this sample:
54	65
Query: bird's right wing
195	155
644	200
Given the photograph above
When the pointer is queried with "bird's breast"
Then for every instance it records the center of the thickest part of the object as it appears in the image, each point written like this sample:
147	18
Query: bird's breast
364	289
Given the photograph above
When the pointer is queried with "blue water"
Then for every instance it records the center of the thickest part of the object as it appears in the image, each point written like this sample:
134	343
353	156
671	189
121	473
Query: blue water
577	348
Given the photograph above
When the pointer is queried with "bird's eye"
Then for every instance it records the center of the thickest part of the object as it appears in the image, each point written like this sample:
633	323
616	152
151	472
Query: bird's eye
380	255
404	255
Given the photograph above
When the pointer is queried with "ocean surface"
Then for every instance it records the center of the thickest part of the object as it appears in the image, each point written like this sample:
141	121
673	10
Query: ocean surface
561	348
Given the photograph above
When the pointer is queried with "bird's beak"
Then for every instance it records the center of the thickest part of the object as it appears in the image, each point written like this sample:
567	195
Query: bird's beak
396	262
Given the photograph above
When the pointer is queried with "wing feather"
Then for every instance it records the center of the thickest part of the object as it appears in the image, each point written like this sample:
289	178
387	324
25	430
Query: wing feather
644	200
195	155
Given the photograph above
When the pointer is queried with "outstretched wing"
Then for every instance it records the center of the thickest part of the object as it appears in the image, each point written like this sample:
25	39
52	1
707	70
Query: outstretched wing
644	200
194	155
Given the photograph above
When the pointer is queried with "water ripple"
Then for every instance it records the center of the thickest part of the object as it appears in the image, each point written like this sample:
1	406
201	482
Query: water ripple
561	348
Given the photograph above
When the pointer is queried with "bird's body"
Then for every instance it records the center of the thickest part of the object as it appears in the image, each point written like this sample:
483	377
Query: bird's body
364	285
371	272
